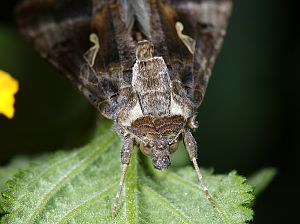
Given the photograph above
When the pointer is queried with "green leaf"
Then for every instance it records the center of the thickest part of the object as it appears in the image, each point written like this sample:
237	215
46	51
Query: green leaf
13	167
261	179
8	172
79	186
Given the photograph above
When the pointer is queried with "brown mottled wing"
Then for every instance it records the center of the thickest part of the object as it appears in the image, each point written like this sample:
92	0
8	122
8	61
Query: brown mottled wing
205	21
60	30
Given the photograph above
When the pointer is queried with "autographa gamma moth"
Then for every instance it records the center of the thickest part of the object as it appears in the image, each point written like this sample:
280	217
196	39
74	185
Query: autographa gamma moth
145	64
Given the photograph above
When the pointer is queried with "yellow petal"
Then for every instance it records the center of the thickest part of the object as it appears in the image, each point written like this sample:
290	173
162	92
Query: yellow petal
8	87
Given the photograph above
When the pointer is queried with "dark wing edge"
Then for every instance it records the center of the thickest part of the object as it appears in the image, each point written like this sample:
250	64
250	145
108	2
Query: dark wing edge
59	30
208	20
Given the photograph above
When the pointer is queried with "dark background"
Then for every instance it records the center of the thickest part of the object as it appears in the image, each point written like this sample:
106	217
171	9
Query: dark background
248	120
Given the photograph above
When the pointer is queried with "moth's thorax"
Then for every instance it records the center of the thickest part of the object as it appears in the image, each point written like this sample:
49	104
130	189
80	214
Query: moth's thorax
151	82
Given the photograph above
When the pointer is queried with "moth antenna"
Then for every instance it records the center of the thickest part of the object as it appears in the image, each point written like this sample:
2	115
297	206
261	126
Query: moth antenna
202	182
120	188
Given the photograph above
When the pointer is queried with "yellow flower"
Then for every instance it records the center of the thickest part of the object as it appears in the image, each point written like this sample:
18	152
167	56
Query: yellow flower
8	87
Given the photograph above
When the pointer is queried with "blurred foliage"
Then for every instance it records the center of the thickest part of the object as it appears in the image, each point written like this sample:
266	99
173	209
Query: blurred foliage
261	179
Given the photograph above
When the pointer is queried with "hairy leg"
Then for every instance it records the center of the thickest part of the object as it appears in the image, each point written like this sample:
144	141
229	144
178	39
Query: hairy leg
125	159
191	147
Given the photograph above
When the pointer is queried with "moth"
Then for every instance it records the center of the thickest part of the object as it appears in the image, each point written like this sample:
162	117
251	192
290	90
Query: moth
145	64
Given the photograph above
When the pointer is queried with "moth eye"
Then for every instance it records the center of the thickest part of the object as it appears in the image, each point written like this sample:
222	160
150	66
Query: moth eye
174	146
146	150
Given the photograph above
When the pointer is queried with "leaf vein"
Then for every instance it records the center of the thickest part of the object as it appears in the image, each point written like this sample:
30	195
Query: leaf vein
60	183
87	202
194	186
167	203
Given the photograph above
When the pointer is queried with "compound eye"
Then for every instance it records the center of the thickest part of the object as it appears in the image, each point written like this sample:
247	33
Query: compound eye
174	146
146	150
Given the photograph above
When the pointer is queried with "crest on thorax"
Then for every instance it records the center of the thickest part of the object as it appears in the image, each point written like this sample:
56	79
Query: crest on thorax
144	64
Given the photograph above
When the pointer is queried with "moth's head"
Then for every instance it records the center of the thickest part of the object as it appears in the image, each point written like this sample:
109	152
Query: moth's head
159	149
158	137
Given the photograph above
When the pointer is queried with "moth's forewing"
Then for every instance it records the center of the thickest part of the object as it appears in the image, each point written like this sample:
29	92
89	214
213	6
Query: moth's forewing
205	21
59	30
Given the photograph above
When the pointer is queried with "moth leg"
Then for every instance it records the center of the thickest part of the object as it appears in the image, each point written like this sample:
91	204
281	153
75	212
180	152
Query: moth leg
191	146
126	151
